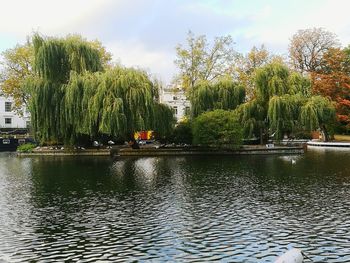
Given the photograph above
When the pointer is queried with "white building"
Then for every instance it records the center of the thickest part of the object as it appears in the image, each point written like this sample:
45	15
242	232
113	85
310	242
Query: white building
10	119
176	99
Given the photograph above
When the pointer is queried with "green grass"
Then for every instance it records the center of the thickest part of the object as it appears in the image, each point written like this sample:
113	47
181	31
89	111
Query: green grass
26	148
339	137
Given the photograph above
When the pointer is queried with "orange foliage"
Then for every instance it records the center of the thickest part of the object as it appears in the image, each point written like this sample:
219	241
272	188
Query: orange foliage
333	81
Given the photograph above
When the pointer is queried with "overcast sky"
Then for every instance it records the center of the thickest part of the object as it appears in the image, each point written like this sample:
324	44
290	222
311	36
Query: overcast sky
144	33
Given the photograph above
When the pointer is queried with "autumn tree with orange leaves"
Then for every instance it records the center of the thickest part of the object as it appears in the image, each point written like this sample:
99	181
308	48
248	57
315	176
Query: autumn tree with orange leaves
332	80
308	46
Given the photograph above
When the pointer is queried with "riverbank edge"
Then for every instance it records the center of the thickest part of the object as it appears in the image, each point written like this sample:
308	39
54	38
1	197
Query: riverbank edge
335	144
175	151
100	152
200	151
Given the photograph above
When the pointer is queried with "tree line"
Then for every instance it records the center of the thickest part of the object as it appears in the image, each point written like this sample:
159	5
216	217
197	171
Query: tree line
291	96
75	93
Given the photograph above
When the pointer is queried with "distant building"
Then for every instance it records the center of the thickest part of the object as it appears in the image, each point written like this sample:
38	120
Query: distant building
177	100
11	120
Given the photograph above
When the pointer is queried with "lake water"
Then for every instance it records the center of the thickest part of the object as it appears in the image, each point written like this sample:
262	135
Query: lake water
182	209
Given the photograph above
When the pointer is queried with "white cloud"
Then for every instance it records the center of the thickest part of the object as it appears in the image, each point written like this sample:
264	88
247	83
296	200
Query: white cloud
20	18
144	33
276	28
135	54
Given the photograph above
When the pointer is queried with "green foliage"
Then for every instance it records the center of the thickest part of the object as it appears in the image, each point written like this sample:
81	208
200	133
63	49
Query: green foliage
271	80
317	112
72	98
105	56
252	116
225	94
283	104
164	120
182	133
283	113
299	84
26	148
55	58
55	61
15	67
116	103
246	66
198	61
217	128
46	110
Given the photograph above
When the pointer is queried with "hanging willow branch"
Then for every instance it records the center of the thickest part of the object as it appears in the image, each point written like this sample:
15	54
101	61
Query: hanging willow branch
72	98
225	94
284	102
55	58
299	84
271	80
317	112
116	103
163	119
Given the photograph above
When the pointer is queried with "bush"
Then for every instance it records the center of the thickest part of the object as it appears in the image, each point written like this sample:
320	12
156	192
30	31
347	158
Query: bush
302	135
182	133
26	148
217	128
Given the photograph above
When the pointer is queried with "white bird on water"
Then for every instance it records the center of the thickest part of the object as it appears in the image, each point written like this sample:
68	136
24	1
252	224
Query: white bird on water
291	256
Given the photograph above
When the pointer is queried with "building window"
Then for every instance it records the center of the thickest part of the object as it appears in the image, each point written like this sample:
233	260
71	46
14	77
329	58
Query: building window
174	98
175	110
6	141
8	120
187	111
8	106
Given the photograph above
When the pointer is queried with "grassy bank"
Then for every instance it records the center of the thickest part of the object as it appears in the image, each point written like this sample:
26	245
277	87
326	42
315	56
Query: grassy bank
339	137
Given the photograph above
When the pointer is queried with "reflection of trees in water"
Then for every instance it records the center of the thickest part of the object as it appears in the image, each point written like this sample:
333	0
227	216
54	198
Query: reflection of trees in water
15	201
143	173
157	200
15	184
68	175
164	203
64	188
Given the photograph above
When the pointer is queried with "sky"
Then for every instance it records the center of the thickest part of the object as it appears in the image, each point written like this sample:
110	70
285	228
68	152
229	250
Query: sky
144	33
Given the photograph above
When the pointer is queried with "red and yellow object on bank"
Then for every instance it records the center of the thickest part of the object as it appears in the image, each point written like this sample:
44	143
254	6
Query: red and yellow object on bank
143	135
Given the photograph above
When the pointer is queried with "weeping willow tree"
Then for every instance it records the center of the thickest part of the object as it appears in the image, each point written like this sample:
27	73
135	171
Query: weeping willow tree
224	94
271	82
164	120
72	98
283	113
117	102
298	84
252	117
318	112
54	60
277	107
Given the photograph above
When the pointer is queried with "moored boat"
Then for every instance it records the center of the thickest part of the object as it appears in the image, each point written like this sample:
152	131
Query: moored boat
11	143
328	144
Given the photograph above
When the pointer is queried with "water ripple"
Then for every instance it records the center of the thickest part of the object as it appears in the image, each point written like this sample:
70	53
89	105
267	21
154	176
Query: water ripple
247	209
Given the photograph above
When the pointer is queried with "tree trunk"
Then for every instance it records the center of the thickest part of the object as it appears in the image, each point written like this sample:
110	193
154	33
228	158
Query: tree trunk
325	135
